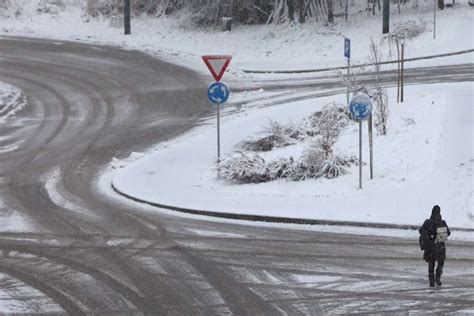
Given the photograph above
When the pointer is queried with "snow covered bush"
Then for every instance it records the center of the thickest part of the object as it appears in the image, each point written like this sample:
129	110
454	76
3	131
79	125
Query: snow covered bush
328	124
335	166
250	168
331	114
9	8
51	6
309	165
316	163
298	171
277	135
405	30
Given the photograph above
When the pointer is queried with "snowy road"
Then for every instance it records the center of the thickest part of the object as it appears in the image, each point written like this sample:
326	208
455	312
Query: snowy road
88	253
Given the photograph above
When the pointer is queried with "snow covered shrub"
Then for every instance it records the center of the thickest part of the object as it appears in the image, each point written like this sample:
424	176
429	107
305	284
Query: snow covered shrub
309	165
205	15
328	124
262	144
331	114
286	132
50	6
298	171
137	7
314	155
244	168
335	166
405	30
278	135
316	163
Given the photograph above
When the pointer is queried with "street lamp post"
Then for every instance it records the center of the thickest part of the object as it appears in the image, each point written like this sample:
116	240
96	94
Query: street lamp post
126	17
386	17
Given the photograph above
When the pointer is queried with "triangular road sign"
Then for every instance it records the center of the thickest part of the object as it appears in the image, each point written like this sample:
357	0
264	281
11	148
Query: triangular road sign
217	65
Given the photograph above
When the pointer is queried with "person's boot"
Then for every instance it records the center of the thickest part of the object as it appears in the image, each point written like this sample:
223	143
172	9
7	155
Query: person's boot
431	278
438	279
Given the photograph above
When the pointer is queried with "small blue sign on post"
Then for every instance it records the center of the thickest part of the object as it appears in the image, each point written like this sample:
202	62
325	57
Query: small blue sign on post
218	92
347	47
360	107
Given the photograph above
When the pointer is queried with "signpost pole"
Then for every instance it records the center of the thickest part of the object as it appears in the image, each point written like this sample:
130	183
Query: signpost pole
360	154
402	73
371	147
218	133
217	92
348	78
347	53
126	17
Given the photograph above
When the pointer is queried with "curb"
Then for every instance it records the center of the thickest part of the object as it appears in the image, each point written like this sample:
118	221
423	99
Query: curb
353	66
273	219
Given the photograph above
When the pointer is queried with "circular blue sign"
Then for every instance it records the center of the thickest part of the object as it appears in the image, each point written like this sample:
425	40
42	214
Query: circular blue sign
360	107
218	92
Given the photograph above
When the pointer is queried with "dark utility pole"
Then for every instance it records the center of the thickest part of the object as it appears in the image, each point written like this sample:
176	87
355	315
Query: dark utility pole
126	17
330	11
386	16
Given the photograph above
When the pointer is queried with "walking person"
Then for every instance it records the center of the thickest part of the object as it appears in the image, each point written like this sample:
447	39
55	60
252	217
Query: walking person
436	231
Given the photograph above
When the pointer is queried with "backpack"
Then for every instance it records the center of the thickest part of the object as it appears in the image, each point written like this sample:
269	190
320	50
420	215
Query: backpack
424	240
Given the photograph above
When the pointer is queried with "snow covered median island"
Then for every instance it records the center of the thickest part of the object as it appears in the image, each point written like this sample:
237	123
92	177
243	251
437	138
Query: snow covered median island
425	159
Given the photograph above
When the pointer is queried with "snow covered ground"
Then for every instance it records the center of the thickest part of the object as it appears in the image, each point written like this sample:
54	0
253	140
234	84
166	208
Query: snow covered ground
269	47
425	159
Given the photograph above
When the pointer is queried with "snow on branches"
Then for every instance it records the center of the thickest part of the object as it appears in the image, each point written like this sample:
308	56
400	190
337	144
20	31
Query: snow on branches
275	134
317	161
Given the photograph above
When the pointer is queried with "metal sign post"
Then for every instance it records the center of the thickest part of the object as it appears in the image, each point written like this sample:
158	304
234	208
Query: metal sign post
360	108
347	53
402	70
126	17
371	147
217	92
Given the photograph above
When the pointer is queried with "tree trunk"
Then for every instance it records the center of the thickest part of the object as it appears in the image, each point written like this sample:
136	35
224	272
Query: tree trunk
291	9
302	11
330	12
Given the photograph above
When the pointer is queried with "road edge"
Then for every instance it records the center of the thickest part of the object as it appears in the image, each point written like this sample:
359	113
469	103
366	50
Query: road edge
274	219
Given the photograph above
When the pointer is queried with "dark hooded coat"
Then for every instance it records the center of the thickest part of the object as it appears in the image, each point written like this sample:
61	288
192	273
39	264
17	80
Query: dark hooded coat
435	251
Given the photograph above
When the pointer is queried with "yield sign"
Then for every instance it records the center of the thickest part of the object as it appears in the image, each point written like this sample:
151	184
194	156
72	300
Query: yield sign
217	65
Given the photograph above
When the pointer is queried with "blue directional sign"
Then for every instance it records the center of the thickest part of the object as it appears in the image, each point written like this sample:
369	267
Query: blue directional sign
218	92
360	107
347	47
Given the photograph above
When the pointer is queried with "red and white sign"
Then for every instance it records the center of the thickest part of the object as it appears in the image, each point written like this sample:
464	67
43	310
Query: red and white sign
217	65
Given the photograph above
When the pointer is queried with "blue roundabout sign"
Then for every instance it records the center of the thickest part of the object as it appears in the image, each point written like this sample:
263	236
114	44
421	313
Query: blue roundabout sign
218	92
360	107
